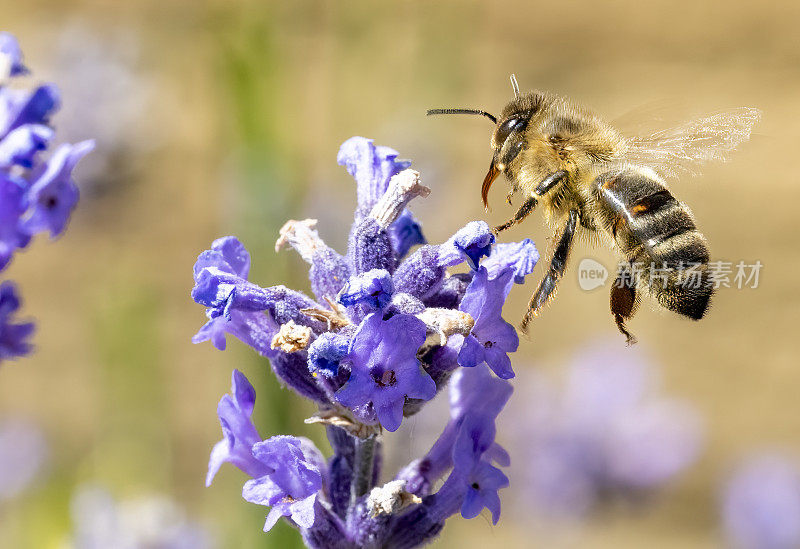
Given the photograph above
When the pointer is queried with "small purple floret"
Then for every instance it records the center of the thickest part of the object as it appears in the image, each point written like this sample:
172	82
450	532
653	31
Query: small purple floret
384	368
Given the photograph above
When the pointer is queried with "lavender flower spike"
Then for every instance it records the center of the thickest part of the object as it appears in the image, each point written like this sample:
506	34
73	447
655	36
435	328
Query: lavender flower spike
387	334
36	195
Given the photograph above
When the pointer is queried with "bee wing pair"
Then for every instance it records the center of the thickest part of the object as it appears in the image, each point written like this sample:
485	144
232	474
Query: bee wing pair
683	149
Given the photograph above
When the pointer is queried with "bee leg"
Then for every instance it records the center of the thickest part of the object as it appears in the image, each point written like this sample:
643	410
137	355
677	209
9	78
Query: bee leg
523	212
549	182
554	273
624	302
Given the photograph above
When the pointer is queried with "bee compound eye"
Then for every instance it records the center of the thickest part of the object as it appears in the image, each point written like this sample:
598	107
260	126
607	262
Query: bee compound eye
507	127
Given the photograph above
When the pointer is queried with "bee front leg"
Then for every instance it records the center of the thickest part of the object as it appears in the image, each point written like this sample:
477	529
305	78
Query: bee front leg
624	302
523	212
530	203
558	264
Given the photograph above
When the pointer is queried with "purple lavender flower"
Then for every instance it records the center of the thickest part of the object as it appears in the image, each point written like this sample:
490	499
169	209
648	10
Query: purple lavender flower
521	257
53	194
387	332
761	504
235	411
373	289
608	432
384	369
474	242
36	195
492	338
292	484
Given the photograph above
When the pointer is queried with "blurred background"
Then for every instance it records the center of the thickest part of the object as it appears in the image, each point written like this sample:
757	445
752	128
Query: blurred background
225	117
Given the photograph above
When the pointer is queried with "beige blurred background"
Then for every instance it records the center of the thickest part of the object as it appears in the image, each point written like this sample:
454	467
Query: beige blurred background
247	105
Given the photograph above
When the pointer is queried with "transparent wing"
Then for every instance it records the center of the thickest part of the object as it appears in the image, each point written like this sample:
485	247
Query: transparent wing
685	148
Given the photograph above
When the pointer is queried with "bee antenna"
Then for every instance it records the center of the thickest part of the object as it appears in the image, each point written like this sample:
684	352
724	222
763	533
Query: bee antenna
514	85
491	117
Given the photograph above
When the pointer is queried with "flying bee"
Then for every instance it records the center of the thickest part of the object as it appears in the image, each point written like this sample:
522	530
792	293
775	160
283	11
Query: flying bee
590	179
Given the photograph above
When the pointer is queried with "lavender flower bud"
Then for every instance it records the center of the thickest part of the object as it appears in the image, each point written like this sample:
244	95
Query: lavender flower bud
403	187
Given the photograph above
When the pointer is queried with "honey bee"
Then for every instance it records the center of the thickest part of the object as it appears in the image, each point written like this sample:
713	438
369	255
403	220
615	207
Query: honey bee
591	179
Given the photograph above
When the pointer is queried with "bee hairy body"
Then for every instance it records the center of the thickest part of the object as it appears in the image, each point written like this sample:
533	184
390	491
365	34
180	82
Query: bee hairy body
590	180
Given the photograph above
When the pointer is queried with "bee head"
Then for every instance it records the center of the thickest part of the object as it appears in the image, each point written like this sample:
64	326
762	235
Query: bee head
508	137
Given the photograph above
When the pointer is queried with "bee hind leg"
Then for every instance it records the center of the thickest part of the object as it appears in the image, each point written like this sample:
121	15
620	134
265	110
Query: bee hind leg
624	302
523	212
558	263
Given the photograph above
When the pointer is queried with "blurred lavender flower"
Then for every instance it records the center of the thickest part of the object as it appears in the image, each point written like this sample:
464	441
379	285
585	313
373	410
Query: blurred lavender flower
761	504
36	195
384	333
149	522
13	336
111	97
607	433
23	453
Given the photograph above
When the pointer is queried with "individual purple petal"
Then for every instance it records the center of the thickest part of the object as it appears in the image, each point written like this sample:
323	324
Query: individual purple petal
11	56
21	145
234	413
384	368
761	504
405	233
476	391
483	483
372	167
520	257
53	194
492	337
224	292
234	254
255	329
470	243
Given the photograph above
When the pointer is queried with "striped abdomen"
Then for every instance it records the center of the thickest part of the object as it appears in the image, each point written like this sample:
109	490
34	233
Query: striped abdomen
658	236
